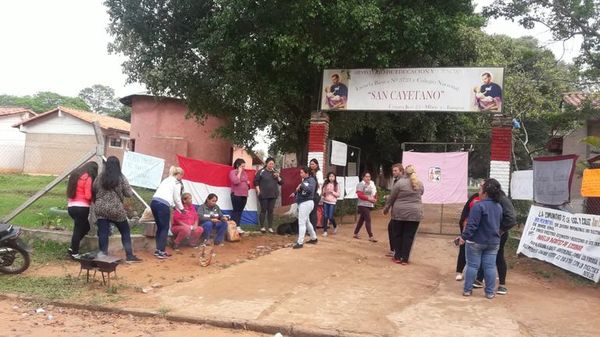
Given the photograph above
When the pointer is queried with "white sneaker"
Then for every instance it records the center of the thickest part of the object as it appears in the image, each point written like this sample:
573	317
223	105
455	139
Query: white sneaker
335	230
324	234
270	230
240	230
459	277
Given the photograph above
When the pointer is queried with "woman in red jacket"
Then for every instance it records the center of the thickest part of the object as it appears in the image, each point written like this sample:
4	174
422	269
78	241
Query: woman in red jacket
79	194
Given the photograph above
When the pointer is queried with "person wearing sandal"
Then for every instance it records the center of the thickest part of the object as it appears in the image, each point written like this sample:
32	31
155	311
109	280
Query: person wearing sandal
407	212
367	197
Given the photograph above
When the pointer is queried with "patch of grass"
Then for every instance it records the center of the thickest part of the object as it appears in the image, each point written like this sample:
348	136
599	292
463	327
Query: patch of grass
50	287
164	310
45	251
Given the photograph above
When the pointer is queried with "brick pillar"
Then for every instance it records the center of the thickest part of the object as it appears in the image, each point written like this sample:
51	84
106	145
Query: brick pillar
501	149
317	138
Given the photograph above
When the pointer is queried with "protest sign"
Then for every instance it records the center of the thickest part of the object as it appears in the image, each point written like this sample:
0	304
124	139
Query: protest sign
552	177
351	183
521	185
590	185
341	187
569	241
339	153
142	170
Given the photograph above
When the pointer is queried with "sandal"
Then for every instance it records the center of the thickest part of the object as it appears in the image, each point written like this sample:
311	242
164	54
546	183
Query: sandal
372	239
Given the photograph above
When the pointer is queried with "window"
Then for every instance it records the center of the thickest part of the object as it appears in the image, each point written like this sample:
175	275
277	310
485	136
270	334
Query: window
116	142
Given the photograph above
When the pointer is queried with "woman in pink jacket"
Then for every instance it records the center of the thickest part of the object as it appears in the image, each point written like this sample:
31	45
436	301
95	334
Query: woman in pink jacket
79	194
330	194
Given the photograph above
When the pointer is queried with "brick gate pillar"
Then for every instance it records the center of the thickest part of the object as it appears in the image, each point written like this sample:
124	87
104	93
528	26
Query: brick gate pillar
501	150
318	133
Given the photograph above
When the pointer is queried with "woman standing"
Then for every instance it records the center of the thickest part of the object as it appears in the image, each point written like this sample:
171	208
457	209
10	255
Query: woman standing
330	195
482	237
239	191
267	182
305	199
79	194
367	197
316	172
167	196
407	212
110	189
461	261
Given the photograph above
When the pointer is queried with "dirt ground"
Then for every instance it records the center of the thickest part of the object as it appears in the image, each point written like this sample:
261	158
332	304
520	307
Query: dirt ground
19	318
262	280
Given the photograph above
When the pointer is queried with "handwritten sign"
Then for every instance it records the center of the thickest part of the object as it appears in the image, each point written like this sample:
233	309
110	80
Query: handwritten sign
590	185
351	183
339	153
341	187
521	185
569	241
552	178
142	170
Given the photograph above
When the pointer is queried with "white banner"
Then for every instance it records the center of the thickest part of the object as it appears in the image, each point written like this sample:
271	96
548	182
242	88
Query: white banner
552	178
351	183
341	187
569	241
142	170
339	153
521	185
413	89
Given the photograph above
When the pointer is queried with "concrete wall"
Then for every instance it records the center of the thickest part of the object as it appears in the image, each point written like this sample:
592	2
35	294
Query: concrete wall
160	129
12	144
53	153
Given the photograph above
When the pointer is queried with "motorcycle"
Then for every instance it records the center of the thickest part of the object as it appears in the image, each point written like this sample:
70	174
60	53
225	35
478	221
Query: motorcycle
14	254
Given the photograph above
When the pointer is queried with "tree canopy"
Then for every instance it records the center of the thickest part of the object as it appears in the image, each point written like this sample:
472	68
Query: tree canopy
101	100
43	101
258	63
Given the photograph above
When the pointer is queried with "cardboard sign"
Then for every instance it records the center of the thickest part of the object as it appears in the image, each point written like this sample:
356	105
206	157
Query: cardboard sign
142	170
590	184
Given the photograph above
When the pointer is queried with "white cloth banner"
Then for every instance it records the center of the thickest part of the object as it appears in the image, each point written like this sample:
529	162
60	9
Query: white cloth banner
569	241
552	178
339	153
351	183
142	170
341	187
521	185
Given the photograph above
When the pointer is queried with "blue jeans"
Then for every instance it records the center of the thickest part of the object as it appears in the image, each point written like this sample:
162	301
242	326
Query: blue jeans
328	212
221	227
485	256
104	231
162	217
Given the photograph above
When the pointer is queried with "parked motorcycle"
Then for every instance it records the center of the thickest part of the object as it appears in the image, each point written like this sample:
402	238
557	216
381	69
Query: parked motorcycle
14	254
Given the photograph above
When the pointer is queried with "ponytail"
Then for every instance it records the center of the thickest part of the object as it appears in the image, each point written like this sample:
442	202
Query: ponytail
412	175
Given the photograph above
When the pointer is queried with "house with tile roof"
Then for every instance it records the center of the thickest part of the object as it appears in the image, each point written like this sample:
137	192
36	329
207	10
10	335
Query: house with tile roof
12	142
56	139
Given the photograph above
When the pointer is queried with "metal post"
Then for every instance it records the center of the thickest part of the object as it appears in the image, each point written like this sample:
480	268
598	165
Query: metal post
441	219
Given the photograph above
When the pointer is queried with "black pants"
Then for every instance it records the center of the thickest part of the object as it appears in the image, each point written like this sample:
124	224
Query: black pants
81	226
500	262
403	234
237	203
461	261
390	236
364	217
266	208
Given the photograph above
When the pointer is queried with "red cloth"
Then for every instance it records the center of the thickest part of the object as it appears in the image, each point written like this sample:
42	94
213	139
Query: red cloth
190	217
291	180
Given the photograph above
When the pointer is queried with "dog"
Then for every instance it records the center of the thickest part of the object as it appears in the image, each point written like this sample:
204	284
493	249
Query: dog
288	228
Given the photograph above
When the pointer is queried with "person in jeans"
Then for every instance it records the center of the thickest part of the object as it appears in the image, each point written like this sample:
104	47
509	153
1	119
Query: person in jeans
407	212
267	182
305	199
167	196
461	260
110	189
79	194
509	220
211	217
330	194
367	197
482	238
185	224
239	191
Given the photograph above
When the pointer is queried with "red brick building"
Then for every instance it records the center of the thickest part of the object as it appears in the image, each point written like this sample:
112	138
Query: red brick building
159	128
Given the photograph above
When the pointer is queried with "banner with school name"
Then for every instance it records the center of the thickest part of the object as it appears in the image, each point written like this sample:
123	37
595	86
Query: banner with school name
414	89
570	241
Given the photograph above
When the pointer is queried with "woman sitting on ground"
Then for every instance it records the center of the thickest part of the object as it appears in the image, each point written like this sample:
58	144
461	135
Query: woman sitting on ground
185	224
211	217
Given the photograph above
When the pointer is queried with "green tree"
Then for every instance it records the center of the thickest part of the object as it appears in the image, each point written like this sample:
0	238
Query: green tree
259	63
565	19
102	100
43	101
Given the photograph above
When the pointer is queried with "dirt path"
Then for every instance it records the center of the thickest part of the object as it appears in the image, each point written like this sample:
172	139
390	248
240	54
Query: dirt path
348	286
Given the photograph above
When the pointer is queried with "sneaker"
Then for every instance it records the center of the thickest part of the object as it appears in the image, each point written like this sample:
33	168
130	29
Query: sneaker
467	293
312	241
477	284
270	230
297	245
263	230
175	246
459	277
160	254
133	259
372	239
502	290
240	230
489	296
335	230
356	236
324	234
